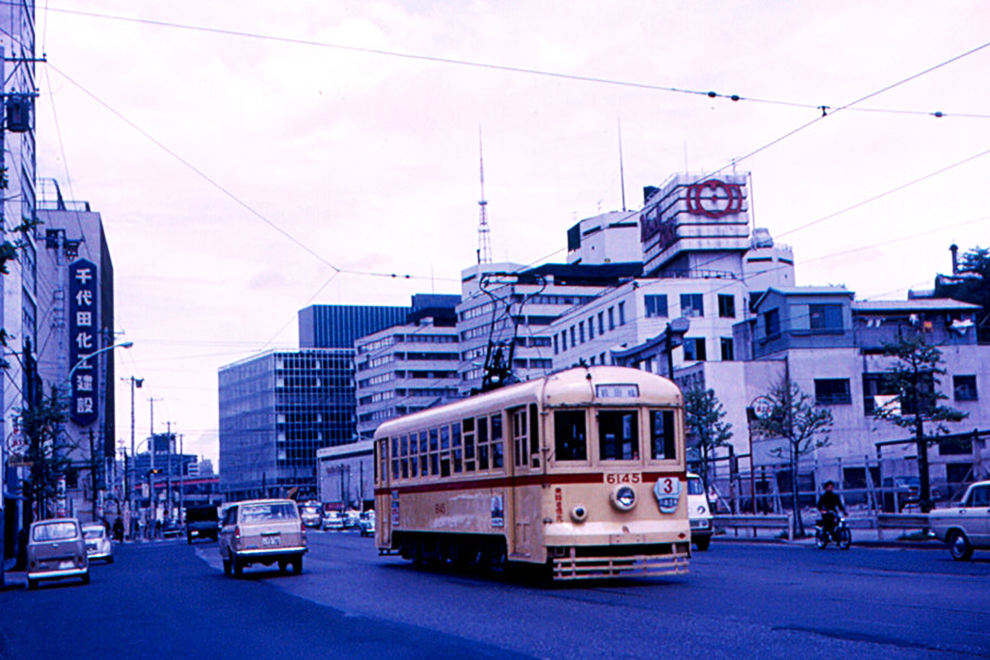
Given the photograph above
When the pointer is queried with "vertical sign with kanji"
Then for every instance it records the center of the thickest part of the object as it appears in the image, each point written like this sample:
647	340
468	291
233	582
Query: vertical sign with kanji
84	337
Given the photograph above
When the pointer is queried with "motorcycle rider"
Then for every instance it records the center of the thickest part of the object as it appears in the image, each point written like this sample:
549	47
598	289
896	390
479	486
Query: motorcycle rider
828	504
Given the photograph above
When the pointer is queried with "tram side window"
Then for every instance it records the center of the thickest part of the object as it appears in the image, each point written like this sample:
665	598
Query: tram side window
570	436
498	450
413	455
445	451
662	435
455	429
404	453
618	435
469	463
424	454
434	452
482	443
395	458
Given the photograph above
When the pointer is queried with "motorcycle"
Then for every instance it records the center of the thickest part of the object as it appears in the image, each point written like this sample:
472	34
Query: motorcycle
840	532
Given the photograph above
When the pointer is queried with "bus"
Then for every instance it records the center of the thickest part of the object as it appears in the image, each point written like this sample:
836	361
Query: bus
580	473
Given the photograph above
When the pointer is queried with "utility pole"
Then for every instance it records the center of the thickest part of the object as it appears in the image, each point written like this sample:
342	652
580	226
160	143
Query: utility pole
182	481
135	382
168	471
151	450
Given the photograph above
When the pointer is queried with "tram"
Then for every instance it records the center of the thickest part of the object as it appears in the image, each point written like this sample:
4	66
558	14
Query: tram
581	472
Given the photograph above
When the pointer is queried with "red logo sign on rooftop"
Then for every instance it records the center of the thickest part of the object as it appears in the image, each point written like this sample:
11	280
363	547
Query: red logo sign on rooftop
714	198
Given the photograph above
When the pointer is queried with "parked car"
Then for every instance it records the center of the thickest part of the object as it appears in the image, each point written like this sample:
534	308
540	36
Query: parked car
351	519
900	493
699	514
965	523
262	532
171	528
202	522
332	520
366	523
98	544
311	513
55	551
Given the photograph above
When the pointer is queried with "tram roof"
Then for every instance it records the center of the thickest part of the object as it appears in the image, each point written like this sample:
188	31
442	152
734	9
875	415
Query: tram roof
572	387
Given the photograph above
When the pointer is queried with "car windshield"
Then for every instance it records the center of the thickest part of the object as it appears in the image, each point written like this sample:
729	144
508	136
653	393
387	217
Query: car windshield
93	532
266	512
58	531
695	487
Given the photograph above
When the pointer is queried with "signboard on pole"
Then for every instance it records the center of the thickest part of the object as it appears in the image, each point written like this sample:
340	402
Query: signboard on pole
84	341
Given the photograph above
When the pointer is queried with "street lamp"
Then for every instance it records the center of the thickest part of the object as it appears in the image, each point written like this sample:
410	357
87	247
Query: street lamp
673	335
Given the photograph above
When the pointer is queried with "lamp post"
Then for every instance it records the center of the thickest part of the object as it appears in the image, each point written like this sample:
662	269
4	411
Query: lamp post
68	384
673	336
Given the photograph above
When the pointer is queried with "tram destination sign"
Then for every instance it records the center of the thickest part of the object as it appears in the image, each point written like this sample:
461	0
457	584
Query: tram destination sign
617	391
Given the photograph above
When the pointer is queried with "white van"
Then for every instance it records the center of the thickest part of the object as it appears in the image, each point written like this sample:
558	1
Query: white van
698	513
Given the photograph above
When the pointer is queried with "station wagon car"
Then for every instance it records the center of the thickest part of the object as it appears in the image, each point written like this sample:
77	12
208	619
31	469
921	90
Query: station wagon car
55	551
262	532
965	523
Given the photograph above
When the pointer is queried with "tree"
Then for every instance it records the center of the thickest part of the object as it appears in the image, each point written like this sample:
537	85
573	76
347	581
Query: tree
971	284
793	416
913	382
47	450
703	415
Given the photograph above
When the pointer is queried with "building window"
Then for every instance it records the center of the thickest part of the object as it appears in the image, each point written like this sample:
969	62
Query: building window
726	306
825	318
832	391
563	340
656	306
694	348
771	323
581	331
964	388
601	323
573	337
556	346
611	318
591	329
601	359
692	304
728	351
622	313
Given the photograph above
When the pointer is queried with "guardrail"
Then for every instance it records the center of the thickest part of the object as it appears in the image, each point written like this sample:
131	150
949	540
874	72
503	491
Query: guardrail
784	522
901	521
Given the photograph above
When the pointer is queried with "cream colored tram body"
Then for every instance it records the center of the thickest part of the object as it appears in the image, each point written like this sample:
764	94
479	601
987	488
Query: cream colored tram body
582	472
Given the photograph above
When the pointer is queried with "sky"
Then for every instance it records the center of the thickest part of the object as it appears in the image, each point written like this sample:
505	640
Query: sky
252	158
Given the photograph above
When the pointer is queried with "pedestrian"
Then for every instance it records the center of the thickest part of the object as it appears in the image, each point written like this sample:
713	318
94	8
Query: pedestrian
158	528
118	530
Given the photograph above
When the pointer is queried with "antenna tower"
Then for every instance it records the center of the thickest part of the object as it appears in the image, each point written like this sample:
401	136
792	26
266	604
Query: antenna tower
484	232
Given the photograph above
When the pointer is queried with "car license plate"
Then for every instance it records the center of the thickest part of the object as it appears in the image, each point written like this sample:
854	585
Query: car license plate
66	563
270	541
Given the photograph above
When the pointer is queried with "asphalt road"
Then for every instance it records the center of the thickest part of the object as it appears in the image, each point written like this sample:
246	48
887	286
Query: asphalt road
740	600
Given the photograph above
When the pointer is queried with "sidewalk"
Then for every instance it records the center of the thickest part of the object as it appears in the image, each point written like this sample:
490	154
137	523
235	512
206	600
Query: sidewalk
867	538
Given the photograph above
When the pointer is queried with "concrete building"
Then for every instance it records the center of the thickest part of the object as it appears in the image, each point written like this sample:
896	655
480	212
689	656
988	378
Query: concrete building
611	237
276	410
508	307
408	367
346	476
339	326
75	287
19	303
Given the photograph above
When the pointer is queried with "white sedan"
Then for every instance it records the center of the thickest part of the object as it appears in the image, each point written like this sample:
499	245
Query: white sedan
965	524
98	544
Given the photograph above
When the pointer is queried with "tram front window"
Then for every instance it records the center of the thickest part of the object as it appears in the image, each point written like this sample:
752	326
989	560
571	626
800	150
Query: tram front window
662	435
618	435
570	442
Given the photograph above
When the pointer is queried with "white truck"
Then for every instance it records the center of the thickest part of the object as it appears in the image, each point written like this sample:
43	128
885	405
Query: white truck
965	523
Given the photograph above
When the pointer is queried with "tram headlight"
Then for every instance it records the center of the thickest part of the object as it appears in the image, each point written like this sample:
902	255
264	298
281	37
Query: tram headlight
579	513
624	498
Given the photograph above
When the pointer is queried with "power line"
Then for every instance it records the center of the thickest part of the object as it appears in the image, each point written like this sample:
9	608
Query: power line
824	108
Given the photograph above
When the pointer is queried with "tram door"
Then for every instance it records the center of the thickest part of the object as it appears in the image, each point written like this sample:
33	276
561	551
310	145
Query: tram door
383	505
526	496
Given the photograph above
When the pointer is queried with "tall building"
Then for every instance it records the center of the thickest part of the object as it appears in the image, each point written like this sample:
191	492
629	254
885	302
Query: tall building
339	326
276	410
75	288
505	309
19	305
408	367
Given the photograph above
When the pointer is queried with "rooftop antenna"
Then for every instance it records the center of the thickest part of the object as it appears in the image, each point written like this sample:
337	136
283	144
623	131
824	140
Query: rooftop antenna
622	173
484	233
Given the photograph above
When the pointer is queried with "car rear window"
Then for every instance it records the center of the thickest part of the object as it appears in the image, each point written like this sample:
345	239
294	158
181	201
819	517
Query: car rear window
266	512
54	532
